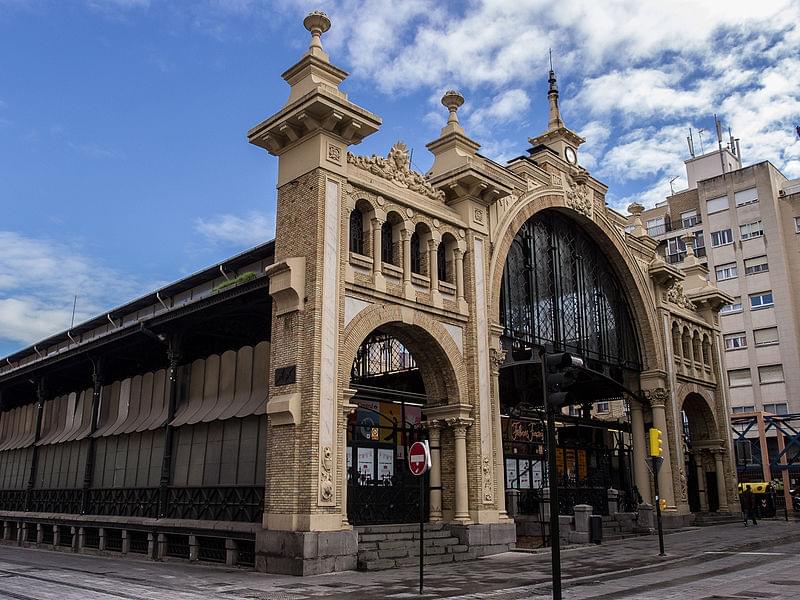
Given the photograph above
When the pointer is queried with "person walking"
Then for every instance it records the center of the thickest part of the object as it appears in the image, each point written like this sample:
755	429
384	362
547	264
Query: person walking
748	502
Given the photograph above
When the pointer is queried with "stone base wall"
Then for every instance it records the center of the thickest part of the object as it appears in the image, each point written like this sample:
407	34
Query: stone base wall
306	552
487	538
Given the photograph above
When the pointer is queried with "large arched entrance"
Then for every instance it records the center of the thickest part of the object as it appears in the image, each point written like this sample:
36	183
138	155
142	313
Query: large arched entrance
559	291
390	396
701	448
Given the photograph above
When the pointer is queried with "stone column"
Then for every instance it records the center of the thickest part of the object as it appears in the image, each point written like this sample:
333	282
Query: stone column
459	427
496	359
347	409
408	289
657	401
458	258
377	258
435	489
433	272
640	473
722	496
701	481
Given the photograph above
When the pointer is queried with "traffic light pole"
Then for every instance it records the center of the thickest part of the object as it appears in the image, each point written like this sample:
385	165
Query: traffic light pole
657	460
555	537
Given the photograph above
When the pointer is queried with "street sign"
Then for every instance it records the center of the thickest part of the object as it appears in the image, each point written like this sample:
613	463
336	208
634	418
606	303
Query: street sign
419	458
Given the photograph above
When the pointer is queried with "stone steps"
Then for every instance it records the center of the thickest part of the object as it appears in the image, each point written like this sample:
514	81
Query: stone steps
709	519
388	546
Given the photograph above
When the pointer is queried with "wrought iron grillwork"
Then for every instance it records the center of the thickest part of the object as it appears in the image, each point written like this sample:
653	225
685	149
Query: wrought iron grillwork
55	501
138	542
177	545
441	262
416	258
64	535
387	243
211	549
236	503
91	537
381	355
12	500
356	232
114	540
391	497
560	290
246	549
123	502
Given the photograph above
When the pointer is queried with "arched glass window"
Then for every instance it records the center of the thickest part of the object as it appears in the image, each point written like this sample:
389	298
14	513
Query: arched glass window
441	262
387	243
356	232
416	259
560	290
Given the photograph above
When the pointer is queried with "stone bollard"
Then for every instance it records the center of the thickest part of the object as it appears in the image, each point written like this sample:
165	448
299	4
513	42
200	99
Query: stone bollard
81	538
194	548
6	530
126	542
101	539
512	503
159	550
647	517
613	501
56	536
231	553
581	533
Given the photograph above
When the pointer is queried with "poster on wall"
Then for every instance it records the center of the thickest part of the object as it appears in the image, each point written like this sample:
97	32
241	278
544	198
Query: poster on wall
524	475
385	466
536	474
366	465
511	473
367	417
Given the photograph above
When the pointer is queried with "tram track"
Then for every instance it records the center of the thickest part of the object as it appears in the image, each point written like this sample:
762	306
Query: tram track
75	586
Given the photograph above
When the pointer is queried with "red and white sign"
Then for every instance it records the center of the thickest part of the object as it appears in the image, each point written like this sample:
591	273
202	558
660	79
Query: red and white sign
419	458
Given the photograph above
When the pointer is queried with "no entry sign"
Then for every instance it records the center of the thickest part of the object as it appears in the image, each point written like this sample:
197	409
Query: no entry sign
419	458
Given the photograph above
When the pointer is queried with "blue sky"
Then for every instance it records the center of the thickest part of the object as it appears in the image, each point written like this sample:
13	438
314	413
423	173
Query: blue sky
123	157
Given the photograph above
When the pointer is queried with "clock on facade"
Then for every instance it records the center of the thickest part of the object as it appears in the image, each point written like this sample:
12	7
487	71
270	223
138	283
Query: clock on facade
570	155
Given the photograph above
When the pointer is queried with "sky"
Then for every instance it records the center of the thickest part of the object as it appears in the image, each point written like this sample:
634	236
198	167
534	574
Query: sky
124	163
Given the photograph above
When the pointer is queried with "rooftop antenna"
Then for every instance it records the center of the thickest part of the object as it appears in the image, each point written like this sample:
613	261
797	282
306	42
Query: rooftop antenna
718	126
731	142
690	141
74	304
550	50
672	189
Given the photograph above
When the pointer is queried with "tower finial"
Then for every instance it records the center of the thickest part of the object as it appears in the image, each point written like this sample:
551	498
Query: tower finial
317	22
554	120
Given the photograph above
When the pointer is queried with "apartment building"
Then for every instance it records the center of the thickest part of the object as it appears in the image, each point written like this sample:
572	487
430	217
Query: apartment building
743	222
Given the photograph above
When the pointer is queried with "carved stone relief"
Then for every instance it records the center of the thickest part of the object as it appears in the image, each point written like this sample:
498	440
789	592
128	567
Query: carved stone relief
396	168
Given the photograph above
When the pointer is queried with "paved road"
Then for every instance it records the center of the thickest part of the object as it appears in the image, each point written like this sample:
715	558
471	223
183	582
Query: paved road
712	563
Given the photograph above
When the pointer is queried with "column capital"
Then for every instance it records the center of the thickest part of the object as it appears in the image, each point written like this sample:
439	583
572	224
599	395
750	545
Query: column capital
656	396
459	425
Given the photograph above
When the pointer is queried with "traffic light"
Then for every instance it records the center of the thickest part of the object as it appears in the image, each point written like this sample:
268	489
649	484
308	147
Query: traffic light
560	376
655	442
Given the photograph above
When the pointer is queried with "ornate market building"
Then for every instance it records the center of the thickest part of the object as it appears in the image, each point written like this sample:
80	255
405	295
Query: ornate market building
259	412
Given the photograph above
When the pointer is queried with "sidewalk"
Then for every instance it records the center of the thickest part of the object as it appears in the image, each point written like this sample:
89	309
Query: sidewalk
508	575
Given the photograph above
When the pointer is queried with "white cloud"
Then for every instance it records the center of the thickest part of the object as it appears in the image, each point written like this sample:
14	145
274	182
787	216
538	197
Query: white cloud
507	106
240	231
38	282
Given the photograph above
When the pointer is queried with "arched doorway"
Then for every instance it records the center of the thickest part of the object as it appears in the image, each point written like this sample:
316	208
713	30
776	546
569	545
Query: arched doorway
390	396
700	443
560	291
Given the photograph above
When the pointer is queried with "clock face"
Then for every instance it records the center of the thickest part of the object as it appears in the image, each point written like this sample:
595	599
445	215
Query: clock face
570	155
